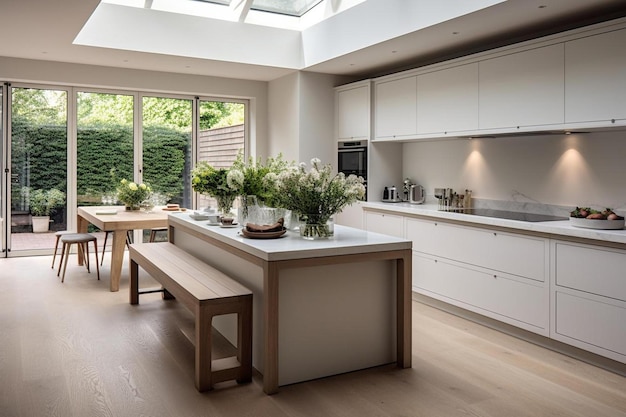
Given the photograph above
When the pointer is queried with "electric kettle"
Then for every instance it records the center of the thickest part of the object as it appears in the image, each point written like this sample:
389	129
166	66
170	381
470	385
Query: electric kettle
416	194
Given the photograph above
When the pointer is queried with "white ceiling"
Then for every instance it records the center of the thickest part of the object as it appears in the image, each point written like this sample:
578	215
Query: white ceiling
46	30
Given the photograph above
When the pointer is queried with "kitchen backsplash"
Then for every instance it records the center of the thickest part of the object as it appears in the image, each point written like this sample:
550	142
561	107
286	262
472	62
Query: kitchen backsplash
544	173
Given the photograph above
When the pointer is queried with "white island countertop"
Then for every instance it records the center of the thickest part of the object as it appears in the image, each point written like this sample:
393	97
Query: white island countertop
556	228
346	241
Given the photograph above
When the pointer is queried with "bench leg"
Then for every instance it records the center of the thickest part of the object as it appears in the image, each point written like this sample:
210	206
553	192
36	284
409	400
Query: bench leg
134	282
203	349
244	340
168	295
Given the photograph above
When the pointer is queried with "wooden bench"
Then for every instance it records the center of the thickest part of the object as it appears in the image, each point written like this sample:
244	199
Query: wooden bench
206	292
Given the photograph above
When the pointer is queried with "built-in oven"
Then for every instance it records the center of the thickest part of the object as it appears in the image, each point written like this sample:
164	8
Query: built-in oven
352	159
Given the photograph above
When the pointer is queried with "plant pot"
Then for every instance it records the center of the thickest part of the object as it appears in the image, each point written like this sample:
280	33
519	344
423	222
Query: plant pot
41	224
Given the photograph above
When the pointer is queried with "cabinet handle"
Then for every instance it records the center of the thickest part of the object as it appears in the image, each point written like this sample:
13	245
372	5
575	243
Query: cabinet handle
495	234
495	276
435	224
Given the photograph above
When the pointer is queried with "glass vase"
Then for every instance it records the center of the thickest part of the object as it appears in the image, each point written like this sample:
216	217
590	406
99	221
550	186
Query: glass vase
314	228
247	209
224	204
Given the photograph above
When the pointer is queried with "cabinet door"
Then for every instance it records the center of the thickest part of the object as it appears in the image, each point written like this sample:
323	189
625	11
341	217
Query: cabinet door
522	89
353	113
513	254
447	100
396	108
388	224
595	78
521	303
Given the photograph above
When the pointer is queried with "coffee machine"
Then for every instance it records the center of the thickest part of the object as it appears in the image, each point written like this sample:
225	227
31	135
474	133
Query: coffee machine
413	193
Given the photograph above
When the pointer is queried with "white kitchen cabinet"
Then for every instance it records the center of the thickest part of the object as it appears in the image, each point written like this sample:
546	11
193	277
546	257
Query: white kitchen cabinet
497	274
510	299
351	216
595	78
522	89
395	108
589	298
514	254
353	109
385	223
447	100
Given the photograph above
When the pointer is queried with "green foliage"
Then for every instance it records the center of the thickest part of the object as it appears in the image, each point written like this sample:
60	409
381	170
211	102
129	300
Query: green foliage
43	202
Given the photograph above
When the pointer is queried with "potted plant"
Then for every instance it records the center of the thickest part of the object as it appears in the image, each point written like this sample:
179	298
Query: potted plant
41	204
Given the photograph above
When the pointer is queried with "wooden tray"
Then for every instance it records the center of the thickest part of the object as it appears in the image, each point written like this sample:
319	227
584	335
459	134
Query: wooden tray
263	235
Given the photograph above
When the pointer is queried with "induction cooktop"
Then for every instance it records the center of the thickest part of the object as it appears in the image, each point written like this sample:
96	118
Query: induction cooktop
512	215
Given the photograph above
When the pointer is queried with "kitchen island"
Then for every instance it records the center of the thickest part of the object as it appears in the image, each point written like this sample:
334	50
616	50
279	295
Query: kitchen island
320	307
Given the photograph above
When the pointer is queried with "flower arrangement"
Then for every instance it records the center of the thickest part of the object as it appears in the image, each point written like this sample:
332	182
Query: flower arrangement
316	195
250	179
132	194
211	181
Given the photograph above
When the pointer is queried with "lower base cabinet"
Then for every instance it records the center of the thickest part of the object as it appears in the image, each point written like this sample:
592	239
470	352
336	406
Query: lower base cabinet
571	292
517	301
589	298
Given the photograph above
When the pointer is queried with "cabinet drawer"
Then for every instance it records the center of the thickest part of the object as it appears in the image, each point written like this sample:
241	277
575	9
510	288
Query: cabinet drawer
591	322
513	254
387	224
522	303
593	270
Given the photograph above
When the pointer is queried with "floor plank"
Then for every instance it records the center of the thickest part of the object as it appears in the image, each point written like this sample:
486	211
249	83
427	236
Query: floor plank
76	349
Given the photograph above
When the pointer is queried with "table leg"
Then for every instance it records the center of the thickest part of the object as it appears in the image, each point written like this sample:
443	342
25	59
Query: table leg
117	258
270	363
81	227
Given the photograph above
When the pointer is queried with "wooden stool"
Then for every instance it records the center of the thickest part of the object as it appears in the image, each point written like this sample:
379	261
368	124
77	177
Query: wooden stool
82	241
56	243
154	231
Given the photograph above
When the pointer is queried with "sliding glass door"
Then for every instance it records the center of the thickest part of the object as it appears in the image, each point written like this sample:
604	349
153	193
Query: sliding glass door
37	187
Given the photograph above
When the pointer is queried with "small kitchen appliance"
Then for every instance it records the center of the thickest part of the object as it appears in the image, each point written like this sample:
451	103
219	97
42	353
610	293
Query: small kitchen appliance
390	195
416	194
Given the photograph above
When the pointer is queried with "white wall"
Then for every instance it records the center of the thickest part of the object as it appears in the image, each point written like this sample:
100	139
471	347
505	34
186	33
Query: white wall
283	108
301	117
565	170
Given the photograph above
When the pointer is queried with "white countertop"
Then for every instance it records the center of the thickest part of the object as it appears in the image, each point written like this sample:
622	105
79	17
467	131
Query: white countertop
557	228
346	241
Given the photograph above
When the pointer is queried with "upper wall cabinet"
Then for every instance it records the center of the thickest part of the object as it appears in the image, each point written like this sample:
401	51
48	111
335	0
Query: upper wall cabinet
522	89
396	108
353	110
447	100
595	78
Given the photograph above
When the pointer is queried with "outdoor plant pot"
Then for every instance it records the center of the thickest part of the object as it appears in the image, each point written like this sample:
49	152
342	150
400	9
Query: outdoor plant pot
41	224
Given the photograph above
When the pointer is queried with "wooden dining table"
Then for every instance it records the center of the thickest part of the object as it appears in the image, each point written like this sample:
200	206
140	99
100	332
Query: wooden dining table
118	220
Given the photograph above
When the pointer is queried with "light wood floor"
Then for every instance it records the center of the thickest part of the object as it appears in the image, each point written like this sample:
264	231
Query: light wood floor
76	349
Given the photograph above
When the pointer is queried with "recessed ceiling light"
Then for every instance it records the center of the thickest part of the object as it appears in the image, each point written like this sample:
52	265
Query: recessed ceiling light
543	6
455	33
394	52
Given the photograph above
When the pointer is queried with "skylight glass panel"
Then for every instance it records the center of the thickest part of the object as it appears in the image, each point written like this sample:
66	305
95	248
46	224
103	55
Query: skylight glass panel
225	2
287	7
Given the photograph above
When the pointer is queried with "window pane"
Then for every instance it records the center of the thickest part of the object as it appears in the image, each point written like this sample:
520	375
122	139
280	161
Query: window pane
38	165
167	127
288	7
104	146
221	136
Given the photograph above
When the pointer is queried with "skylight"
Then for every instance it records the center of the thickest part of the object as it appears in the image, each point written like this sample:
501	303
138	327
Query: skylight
288	7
